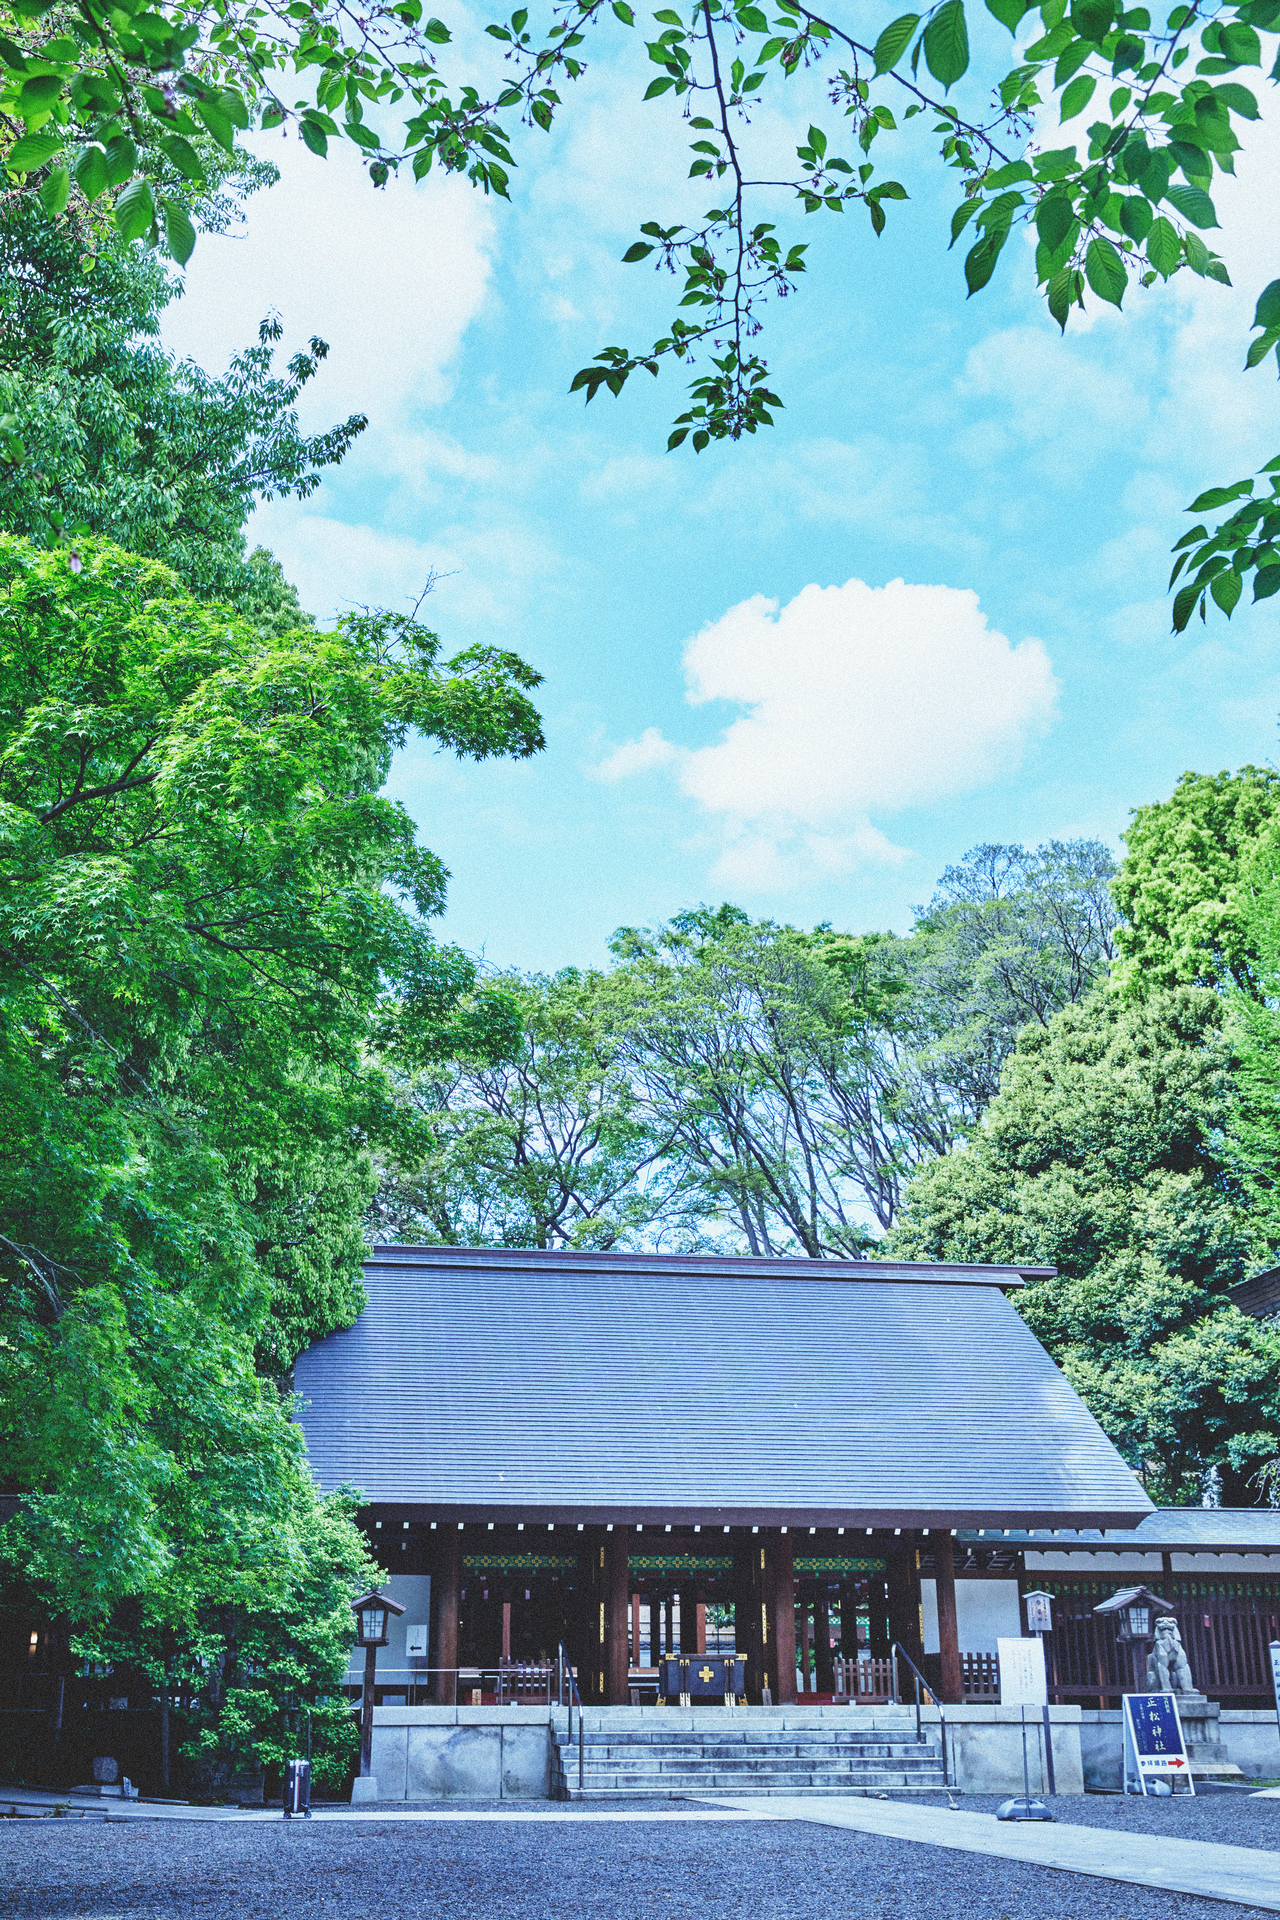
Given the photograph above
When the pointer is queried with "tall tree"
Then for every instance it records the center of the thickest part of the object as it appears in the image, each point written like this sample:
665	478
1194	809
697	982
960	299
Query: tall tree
535	1136
1183	887
200	916
119	438
1103	1156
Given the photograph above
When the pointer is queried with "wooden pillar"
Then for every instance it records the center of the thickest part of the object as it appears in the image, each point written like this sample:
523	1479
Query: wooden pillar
700	1612
822	1628
783	1623
689	1648
747	1615
878	1636
905	1624
506	1626
447	1584
952	1678
635	1629
617	1603
806	1645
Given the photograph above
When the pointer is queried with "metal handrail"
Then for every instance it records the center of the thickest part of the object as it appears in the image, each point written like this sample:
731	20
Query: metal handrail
569	1686
894	1651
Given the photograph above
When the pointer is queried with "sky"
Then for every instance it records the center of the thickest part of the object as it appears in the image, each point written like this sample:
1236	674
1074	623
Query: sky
804	672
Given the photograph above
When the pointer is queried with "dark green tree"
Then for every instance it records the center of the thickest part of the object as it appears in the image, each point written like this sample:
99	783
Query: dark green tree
119	438
1103	1156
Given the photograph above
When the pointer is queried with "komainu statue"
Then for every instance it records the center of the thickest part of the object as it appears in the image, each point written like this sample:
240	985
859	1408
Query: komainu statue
1168	1669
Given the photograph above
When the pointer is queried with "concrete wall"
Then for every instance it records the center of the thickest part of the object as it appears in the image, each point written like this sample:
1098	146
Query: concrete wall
984	1748
1251	1741
462	1753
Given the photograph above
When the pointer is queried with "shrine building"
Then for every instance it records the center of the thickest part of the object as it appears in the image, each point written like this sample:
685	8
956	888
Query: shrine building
628	1454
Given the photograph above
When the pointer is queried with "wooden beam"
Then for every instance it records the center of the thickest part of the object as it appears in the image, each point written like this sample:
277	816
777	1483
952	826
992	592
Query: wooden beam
952	1678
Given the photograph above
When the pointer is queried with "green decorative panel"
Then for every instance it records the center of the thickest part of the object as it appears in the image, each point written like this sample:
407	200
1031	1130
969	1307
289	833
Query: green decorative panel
681	1562
839	1563
520	1562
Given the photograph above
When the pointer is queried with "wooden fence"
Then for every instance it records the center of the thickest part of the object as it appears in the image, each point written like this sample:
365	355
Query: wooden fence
1226	1624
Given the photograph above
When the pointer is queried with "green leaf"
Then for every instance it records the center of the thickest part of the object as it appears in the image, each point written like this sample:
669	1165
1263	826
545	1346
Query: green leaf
624	13
1226	588
33	150
1184	606
1092	19
818	141
894	41
183	156
1238	98
946	43
1059	293
135	210
1267	311
1154	178
1266	582
1136	217
220	126
56	191
750	17
91	172
1009	12
437	33
962	216
1105	271
39	93
1055	216
1076	96
639	251
980	262
180	235
655	87
122	159
1194	204
1164	249
1196	253
314	137
1241	44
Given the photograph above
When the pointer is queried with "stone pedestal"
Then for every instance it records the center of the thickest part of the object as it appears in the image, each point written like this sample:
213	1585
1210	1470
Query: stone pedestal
364	1788
1200	1730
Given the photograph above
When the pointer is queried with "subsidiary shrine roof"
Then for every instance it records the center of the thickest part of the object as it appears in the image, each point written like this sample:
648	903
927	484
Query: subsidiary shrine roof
561	1387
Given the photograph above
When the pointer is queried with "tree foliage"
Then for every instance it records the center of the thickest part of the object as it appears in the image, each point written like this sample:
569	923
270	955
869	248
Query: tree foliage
116	437
1103	1156
1183	887
536	1139
205	901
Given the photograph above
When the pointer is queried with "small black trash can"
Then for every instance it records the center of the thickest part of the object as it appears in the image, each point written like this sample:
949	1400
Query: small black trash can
297	1789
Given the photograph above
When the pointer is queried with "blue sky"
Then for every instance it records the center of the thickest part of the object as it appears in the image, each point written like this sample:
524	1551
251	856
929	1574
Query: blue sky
805	672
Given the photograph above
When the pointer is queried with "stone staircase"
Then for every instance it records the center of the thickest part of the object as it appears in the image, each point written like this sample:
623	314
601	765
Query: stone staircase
677	1752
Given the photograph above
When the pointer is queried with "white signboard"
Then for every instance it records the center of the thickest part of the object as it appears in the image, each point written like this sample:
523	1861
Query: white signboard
416	1641
1022	1681
1039	1613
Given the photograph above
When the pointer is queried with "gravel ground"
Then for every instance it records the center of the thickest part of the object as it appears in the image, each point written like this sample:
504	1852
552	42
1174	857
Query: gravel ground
473	1871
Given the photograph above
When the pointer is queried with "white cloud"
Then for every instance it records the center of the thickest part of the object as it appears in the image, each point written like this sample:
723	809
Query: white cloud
858	700
637	756
390	279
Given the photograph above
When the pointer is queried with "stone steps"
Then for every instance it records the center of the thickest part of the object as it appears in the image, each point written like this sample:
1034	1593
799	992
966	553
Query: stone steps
753	1759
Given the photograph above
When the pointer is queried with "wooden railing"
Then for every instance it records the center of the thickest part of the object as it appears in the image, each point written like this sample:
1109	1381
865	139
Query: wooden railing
1226	1624
864	1682
980	1675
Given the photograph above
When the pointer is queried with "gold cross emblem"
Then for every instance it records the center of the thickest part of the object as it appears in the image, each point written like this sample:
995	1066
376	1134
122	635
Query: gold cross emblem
706	1674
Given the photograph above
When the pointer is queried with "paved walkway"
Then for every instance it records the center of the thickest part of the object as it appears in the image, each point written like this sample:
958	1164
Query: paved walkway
1245	1876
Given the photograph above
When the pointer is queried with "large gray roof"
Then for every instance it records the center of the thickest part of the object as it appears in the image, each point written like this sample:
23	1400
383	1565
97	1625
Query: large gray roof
1167	1529
590	1386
